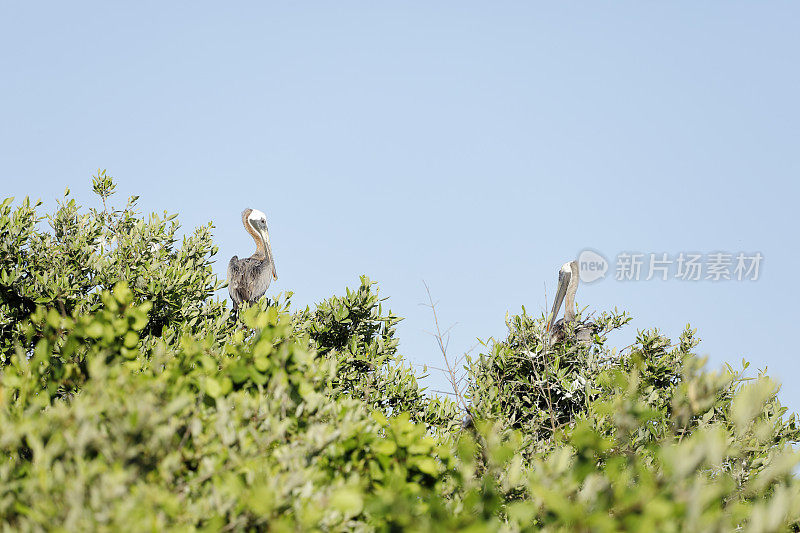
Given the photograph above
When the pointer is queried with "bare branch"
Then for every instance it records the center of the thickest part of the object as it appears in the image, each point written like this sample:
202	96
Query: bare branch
443	346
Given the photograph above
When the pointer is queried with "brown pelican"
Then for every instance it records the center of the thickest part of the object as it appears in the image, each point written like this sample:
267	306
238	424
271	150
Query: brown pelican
249	278
568	278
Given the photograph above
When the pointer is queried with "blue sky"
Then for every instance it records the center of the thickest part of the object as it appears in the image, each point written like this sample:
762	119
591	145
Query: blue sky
475	146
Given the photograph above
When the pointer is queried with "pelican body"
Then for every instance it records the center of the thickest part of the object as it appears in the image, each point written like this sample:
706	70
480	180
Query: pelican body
568	279
249	278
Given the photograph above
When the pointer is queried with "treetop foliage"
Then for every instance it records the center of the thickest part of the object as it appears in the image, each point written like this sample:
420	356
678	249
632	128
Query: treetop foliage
131	399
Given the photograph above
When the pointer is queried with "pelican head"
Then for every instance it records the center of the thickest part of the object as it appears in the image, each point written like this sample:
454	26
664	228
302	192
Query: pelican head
568	277
255	222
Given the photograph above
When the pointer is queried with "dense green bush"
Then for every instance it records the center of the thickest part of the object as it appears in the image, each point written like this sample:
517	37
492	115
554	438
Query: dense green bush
130	399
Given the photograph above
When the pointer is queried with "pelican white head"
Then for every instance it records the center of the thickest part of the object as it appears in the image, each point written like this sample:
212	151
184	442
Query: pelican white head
257	220
256	217
567	287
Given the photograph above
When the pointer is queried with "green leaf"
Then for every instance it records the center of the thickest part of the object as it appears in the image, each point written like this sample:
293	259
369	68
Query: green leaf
213	388
384	447
427	465
348	501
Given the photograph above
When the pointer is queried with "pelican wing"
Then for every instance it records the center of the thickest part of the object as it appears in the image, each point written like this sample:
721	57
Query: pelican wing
248	279
235	270
258	275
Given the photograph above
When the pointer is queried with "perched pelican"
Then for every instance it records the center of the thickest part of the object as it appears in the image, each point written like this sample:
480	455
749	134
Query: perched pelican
568	278
249	278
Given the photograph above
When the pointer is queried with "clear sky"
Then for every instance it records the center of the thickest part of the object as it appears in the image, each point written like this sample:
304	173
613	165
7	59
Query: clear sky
473	145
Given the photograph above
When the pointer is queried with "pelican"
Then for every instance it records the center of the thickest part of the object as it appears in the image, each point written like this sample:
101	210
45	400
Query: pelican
249	278
568	278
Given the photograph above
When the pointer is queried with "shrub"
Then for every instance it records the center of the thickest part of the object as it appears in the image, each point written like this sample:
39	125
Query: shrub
130	400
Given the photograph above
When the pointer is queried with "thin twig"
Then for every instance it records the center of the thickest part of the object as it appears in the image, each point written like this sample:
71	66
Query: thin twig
443	345
444	392
429	366
546	346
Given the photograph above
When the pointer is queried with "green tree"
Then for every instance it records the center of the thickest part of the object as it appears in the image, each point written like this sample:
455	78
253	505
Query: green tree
131	399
